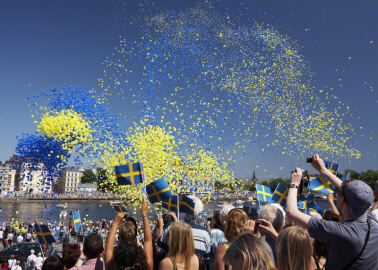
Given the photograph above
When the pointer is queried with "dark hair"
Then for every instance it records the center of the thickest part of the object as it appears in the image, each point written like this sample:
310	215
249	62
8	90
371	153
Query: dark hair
167	218
128	254
93	246
22	253
53	262
216	216
70	254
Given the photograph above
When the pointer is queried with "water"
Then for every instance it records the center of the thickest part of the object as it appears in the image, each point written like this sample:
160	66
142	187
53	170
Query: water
34	210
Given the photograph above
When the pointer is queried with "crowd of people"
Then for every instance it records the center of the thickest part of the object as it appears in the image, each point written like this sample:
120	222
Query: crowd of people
276	238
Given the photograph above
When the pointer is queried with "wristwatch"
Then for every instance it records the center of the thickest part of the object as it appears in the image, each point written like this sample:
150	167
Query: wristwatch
83	259
294	186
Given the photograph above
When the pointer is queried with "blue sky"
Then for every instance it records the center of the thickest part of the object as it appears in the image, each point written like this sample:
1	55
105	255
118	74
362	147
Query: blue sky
48	44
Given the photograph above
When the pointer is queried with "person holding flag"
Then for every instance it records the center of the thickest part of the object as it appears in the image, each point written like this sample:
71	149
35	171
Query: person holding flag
352	243
200	235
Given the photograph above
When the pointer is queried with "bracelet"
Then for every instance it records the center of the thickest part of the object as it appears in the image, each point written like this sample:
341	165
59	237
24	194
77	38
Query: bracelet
83	259
145	217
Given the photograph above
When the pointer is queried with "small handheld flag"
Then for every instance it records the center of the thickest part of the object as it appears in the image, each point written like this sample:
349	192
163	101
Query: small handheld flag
249	210
186	204
158	191
44	234
331	166
310	200
129	174
52	251
347	176
263	193
321	184
77	221
170	204
280	195
119	209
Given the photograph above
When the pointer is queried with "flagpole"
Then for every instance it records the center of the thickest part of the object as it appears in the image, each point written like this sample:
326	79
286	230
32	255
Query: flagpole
81	227
178	207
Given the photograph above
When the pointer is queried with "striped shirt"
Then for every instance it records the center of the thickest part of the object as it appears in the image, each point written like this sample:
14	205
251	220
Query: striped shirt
201	239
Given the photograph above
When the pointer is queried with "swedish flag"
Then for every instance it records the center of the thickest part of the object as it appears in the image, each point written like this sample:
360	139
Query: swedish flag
263	193
347	176
158	191
77	221
310	200
44	234
249	210
119	209
321	184
129	174
331	166
170	204
280	195
52	251
302	204
335	199
186	204
317	209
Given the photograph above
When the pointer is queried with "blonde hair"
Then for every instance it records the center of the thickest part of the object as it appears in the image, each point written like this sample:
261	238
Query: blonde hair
181	244
235	223
254	253
293	249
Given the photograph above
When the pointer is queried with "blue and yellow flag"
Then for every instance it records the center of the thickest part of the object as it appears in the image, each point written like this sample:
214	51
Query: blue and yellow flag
249	210
76	221
52	251
335	199
331	166
158	191
347	176
302	204
129	174
280	195
170	204
119	209
44	234
263	193
317	209
186	204
310	200
321	184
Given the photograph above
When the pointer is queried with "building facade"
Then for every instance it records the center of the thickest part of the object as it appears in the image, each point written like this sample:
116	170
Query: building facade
7	177
70	179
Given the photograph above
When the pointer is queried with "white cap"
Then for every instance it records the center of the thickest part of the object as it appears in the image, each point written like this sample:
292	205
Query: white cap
32	251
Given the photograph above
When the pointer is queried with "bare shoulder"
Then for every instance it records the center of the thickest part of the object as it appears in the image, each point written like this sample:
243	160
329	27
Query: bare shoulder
194	263
166	264
221	250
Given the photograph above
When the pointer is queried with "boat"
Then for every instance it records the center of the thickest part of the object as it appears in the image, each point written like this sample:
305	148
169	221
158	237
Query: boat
239	202
116	202
61	206
63	215
318	196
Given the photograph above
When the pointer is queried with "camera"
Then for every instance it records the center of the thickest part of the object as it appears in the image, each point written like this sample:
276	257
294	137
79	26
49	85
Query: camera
305	174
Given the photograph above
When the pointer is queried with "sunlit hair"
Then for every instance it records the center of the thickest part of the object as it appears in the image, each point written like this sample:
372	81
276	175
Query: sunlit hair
235	222
273	215
293	249
127	255
181	244
255	255
224	213
198	208
127	231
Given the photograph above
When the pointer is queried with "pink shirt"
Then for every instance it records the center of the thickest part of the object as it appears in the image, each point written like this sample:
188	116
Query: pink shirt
88	265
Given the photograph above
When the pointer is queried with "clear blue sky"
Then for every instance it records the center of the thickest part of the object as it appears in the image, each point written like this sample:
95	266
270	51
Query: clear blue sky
51	43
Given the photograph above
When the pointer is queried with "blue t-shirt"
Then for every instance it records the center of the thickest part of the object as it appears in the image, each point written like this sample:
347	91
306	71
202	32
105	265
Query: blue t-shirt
345	241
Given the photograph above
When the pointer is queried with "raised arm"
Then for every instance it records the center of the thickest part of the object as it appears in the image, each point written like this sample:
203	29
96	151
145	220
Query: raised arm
291	203
148	248
332	204
111	238
319	165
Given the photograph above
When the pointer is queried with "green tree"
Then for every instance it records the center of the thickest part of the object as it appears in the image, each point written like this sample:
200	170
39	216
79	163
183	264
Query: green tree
88	177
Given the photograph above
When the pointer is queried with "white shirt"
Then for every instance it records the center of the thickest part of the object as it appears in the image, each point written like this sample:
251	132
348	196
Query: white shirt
1	234
10	236
11	263
375	213
38	262
19	239
32	257
28	236
16	267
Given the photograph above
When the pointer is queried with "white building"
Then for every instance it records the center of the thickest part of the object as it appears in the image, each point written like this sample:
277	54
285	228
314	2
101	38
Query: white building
70	179
7	177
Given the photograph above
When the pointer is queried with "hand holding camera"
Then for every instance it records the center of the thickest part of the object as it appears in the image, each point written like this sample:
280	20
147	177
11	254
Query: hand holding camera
317	163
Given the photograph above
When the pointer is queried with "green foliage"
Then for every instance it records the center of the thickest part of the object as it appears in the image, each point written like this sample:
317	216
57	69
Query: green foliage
370	177
273	183
88	177
101	179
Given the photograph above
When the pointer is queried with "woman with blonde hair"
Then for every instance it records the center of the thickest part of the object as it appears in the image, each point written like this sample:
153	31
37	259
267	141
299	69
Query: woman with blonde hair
234	226
248	253
294	249
181	249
